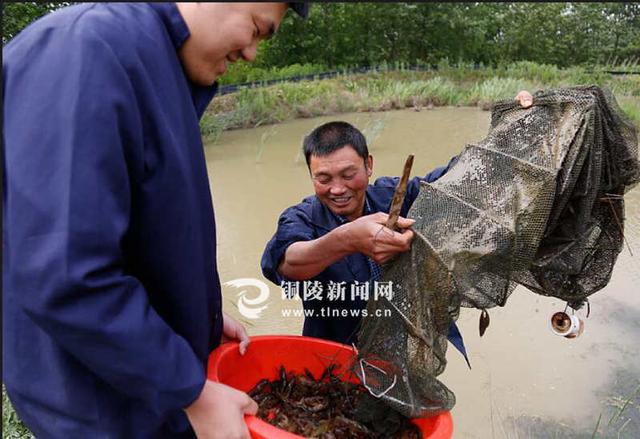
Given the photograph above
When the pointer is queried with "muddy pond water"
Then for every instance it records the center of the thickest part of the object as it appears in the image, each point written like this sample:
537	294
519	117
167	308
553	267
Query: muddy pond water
525	382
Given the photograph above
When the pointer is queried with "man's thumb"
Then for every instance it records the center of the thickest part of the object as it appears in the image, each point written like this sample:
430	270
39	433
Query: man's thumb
405	223
251	408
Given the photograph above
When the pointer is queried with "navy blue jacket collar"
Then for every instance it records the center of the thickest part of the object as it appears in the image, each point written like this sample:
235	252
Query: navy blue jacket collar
173	21
178	33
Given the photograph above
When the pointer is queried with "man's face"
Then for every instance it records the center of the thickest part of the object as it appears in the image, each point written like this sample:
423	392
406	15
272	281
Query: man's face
222	33
340	180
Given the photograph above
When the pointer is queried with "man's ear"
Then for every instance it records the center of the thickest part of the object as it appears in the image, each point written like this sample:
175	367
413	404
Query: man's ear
369	163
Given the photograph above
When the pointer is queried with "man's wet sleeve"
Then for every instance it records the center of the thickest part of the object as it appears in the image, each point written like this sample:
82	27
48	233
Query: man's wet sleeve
73	137
293	225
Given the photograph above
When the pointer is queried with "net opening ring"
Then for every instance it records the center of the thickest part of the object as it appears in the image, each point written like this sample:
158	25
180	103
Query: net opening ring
364	379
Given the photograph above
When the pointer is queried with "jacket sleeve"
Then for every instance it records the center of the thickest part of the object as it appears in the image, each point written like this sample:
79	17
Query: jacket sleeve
440	171
73	141
293	225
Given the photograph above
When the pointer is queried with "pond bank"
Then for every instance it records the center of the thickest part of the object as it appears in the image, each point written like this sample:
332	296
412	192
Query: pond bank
382	91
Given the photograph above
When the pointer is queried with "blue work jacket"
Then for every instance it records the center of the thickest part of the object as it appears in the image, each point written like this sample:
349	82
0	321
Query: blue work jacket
310	220
111	296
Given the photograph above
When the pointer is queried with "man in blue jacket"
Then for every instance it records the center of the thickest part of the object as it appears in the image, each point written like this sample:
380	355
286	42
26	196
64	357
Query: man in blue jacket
336	238
330	246
111	296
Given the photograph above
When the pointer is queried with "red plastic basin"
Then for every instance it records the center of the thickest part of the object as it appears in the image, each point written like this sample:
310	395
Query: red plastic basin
267	353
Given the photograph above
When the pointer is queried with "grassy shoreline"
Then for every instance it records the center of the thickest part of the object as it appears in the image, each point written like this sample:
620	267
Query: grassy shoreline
397	89
12	426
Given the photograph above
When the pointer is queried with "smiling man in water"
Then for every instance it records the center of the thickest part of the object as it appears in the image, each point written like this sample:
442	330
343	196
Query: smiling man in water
337	236
337	239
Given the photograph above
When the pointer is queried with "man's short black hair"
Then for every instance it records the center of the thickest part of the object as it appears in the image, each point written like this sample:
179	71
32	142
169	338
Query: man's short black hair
333	136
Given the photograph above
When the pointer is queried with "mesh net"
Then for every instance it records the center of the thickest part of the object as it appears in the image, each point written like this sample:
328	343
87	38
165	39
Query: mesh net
538	202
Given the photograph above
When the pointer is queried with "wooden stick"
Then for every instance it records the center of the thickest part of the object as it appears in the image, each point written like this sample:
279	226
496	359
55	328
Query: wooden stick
398	196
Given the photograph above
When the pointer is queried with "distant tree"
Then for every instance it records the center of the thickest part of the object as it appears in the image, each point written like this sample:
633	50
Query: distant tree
371	33
17	16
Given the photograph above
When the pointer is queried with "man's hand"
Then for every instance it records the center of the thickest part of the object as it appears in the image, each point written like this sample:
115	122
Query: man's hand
368	235
219	412
525	98
233	330
306	259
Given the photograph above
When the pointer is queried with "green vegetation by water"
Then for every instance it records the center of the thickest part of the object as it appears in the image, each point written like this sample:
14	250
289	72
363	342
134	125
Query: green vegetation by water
516	45
12	427
397	87
367	33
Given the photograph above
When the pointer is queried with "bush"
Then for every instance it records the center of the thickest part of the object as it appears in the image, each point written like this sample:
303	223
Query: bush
386	89
242	72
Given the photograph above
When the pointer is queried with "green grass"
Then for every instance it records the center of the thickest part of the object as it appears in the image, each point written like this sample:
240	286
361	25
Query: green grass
624	415
12	427
631	108
244	72
395	87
